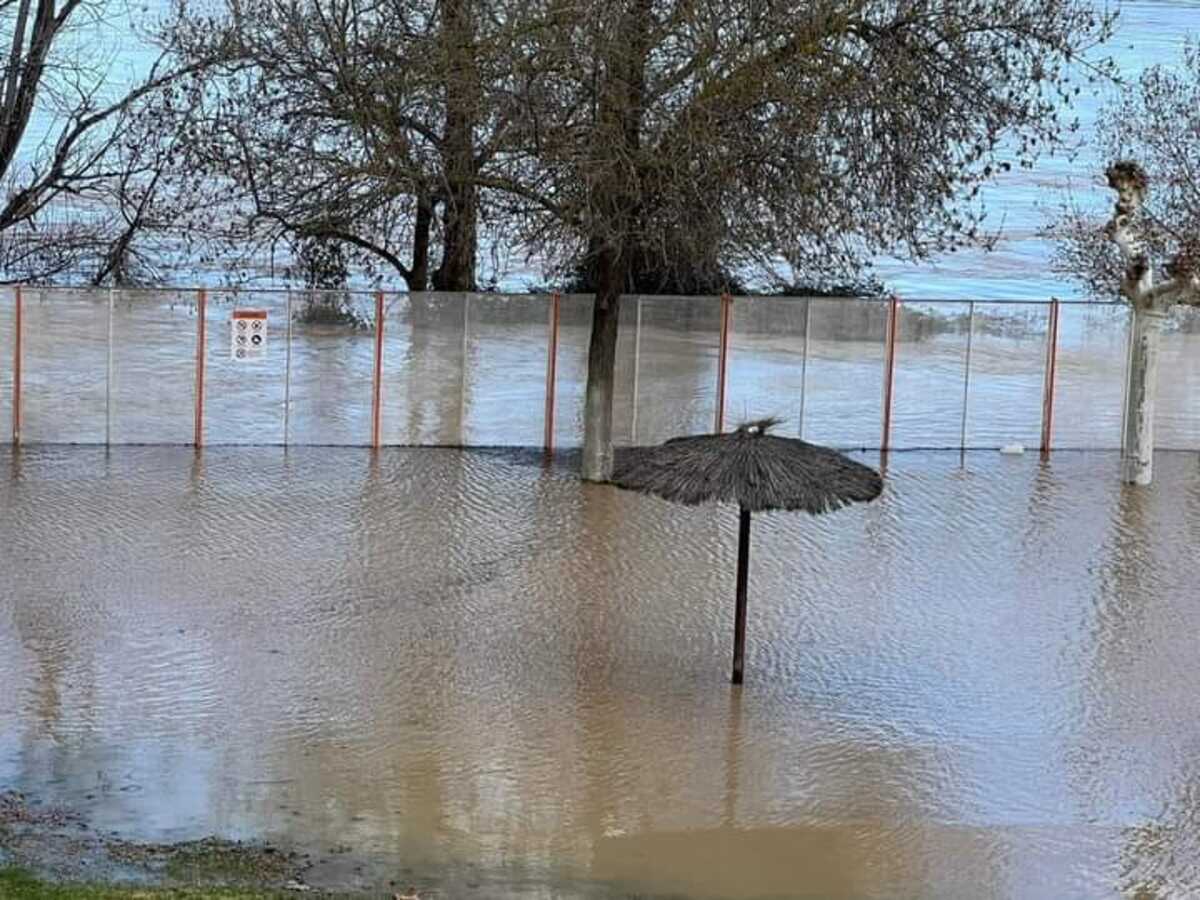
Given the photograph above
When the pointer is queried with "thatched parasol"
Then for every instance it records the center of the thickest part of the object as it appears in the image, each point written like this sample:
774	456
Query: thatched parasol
756	470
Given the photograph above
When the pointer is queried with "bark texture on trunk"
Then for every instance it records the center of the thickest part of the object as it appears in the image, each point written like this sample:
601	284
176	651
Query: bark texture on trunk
24	72
601	376
460	197
459	236
418	278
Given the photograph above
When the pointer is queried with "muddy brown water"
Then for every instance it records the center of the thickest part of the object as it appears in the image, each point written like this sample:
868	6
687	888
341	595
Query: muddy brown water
473	670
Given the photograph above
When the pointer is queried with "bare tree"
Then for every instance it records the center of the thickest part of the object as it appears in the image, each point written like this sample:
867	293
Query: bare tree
359	121
60	135
1151	303
1147	122
786	136
1145	252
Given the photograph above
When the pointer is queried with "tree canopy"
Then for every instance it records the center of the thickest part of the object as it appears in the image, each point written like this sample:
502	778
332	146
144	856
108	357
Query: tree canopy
75	190
1154	122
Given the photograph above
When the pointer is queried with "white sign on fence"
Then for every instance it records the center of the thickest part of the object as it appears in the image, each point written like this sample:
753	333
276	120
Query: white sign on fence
248	334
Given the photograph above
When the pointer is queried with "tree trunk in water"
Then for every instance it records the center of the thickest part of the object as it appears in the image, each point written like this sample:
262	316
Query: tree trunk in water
602	364
616	197
1140	389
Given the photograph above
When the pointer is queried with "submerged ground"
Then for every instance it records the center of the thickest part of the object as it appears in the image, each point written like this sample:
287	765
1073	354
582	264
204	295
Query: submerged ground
471	673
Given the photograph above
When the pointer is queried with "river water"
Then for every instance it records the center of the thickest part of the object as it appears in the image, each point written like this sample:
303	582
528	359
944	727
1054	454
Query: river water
476	671
1149	32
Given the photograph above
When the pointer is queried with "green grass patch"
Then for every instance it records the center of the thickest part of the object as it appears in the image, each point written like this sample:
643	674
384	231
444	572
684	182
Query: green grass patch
224	862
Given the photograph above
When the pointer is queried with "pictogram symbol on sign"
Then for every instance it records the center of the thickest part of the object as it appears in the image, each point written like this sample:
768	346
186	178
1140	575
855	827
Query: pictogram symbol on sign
248	334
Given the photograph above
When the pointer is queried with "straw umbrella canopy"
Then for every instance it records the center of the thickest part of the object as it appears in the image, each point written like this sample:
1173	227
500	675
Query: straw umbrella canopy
756	470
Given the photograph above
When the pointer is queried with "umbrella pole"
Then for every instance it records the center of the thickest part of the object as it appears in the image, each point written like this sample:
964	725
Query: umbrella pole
743	578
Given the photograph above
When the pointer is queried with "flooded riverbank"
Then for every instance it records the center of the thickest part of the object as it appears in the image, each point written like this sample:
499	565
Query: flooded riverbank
478	669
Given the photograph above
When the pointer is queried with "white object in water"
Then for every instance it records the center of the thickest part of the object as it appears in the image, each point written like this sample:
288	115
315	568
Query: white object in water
1012	449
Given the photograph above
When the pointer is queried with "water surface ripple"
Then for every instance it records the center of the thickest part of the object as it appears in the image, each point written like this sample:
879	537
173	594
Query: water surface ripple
472	666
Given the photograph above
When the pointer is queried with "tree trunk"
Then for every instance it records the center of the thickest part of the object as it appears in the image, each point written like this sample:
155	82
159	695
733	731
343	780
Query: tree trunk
418	277
616	195
25	67
459	239
602	365
460	201
1140	389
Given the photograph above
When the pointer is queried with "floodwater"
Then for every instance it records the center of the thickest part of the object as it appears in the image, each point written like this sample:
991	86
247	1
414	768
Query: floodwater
475	670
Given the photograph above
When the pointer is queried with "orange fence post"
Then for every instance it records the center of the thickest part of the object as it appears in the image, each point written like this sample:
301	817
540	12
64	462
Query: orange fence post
377	379
889	371
16	382
552	370
201	350
1048	380
723	362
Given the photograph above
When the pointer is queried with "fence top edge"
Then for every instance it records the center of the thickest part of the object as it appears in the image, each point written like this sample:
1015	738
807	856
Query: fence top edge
391	294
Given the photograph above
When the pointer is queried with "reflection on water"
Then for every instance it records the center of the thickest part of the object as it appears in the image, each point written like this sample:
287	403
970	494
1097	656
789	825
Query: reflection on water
475	668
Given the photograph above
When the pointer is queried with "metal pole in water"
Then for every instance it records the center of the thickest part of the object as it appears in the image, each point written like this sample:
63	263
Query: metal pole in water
804	364
743	581
108	372
722	363
18	325
462	374
637	361
377	380
551	372
287	373
962	439
1049	377
201	338
889	372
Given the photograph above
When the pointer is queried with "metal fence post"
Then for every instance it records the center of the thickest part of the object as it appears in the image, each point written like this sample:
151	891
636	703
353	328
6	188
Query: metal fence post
962	438
462	372
377	375
287	373
18	327
637	363
889	371
201	350
551	370
108	372
723	362
1049	378
804	365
